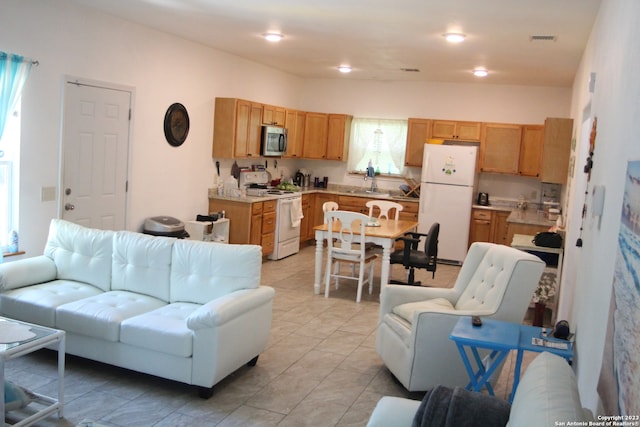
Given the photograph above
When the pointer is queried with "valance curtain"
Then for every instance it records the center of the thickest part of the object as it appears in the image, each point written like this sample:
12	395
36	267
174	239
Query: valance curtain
381	141
14	70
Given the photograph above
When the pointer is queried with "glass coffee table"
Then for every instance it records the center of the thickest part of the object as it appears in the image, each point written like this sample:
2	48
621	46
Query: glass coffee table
19	338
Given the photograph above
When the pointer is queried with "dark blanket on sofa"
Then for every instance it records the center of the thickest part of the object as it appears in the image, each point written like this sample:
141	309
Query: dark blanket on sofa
447	407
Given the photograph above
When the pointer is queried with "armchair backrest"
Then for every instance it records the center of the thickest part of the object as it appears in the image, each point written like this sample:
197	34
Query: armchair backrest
498	279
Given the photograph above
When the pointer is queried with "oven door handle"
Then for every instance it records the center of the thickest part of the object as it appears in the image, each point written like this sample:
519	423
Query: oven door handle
288	200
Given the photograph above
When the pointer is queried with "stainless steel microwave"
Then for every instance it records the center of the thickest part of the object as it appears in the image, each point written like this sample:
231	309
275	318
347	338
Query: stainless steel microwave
274	141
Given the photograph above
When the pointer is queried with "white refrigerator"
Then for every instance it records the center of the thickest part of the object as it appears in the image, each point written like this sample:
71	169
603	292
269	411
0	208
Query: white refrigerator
446	195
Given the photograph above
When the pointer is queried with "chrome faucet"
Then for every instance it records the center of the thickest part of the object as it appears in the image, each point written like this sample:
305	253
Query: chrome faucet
371	174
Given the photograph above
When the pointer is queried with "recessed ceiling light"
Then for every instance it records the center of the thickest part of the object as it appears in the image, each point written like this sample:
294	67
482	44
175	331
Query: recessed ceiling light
480	72
273	37
344	68
454	37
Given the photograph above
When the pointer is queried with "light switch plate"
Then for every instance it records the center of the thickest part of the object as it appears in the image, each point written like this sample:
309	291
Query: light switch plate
48	194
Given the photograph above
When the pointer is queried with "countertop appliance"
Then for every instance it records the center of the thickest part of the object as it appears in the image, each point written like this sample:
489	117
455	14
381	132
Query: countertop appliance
446	196
483	199
274	140
165	226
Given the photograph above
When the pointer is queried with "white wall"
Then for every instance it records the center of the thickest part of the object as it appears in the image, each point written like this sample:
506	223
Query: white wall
163	69
613	53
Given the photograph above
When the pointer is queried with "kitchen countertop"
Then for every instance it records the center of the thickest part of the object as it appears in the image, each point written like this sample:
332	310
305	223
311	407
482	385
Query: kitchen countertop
333	189
530	217
502	208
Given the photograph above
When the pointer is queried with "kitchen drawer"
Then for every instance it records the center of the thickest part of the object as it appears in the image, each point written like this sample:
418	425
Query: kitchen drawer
409	207
269	206
256	208
482	215
268	223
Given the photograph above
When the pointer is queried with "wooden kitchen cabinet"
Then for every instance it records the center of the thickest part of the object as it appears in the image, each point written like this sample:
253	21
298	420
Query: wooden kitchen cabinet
294	122
531	150
464	131
418	132
338	132
316	128
307	222
249	223
237	126
272	115
489	226
267	238
320	199
556	150
500	148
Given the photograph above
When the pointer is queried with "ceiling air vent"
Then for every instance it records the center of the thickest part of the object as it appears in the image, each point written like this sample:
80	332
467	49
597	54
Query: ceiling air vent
542	38
410	70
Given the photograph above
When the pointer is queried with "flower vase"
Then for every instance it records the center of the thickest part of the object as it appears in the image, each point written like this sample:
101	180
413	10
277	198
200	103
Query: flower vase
538	313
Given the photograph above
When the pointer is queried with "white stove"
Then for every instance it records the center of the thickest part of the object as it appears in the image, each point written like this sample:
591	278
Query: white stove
287	238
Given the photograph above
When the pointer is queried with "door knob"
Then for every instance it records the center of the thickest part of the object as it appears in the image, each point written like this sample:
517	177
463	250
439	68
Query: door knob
69	207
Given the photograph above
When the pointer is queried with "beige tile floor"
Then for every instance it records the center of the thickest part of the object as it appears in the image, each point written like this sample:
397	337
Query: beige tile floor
320	367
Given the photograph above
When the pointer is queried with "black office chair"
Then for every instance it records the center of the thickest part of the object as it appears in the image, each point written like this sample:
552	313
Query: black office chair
413	258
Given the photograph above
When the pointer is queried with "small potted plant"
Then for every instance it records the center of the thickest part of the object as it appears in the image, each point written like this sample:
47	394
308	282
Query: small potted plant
543	294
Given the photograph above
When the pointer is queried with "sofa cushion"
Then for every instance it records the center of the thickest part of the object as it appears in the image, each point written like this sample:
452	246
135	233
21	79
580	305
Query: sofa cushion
547	393
81	254
407	310
203	271
100	316
38	303
163	329
142	264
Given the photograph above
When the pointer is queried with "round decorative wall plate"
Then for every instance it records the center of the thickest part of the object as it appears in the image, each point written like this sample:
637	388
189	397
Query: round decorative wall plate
176	124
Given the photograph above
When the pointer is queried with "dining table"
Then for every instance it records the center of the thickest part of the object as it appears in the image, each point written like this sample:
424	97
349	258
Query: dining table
384	234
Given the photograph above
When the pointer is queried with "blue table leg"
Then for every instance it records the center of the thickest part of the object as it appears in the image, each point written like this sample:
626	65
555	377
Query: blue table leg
480	378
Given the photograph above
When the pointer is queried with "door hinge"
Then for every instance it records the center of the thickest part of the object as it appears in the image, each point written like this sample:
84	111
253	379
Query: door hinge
129	114
126	186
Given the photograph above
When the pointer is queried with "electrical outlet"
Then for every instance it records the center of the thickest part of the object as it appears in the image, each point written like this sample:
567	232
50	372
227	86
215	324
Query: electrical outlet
48	194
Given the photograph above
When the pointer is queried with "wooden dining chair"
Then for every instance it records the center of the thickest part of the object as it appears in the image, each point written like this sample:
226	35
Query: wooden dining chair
348	248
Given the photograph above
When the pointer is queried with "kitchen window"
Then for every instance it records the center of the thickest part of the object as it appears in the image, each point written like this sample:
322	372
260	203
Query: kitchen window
379	141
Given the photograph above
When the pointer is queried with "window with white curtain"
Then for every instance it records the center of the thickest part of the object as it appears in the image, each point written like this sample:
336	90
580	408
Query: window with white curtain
9	163
379	141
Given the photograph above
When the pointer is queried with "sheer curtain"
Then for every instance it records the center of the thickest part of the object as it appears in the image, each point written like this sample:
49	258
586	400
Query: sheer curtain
379	141
14	70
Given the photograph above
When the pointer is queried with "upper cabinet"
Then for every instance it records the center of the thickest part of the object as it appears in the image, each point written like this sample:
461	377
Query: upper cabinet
556	150
236	128
338	132
464	131
418	132
294	122
315	136
272	115
326	136
500	148
531	150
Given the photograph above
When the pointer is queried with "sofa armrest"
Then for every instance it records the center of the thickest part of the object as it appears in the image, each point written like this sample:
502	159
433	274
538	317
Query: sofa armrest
221	310
394	295
393	411
27	272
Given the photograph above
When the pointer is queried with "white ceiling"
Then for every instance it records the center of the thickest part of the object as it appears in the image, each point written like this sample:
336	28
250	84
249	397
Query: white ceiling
380	37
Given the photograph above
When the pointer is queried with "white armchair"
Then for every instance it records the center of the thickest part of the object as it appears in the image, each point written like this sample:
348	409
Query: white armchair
415	322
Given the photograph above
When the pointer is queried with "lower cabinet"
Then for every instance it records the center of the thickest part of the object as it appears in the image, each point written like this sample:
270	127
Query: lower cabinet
249	223
307	223
489	226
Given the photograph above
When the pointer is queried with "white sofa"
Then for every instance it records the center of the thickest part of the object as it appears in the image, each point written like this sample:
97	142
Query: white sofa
184	310
547	395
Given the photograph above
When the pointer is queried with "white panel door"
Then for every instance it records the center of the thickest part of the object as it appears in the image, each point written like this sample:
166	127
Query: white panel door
95	156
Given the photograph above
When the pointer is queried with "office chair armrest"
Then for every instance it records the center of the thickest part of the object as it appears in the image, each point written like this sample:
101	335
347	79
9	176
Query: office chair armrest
409	245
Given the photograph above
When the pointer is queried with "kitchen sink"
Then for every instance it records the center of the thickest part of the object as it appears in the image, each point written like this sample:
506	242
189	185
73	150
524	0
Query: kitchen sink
369	193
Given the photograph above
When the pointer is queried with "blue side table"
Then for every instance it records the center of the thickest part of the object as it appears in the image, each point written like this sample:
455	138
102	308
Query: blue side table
527	334
497	336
